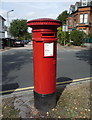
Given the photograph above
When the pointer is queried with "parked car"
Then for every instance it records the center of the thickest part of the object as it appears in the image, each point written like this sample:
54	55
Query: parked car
26	41
18	43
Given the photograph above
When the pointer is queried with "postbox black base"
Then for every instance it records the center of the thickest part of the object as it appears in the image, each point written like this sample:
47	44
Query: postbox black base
44	102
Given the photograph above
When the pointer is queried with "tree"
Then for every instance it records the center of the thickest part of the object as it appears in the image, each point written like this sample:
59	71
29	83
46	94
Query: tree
59	33
62	17
77	37
26	36
18	28
63	37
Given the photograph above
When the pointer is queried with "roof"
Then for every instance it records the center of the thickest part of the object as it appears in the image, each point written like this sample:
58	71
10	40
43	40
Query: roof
77	3
69	17
72	5
2	18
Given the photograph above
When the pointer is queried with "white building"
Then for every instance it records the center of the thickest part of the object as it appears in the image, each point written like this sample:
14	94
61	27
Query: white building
86	2
2	27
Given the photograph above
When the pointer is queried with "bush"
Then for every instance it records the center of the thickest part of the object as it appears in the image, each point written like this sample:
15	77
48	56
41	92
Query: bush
63	37
89	35
77	37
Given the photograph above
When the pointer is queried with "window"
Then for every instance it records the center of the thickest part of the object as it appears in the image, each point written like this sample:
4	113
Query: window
84	2
70	21
2	24
81	18
67	23
80	29
85	18
84	30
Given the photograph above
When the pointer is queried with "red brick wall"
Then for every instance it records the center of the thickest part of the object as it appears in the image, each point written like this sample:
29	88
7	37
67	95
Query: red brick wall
76	19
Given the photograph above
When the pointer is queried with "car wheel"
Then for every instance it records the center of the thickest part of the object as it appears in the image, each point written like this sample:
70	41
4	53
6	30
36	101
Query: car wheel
22	45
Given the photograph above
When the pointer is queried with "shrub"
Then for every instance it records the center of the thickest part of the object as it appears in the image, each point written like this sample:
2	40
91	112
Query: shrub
89	35
63	37
77	37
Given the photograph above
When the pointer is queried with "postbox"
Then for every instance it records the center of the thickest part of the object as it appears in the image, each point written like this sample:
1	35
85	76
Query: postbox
44	61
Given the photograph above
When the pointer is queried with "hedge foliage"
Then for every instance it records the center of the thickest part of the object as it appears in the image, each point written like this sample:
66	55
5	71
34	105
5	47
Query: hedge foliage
77	37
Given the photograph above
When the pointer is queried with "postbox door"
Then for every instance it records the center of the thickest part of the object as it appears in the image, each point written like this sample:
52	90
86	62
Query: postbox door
44	67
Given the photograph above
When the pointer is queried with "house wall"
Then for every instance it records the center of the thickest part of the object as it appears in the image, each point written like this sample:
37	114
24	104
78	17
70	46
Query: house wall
2	28
86	10
90	21
69	23
86	27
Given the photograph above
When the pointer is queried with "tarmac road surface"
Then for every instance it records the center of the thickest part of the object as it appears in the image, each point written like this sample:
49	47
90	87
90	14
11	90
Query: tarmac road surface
17	66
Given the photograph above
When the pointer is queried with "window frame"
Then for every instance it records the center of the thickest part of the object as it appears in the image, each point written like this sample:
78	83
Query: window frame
86	18
81	18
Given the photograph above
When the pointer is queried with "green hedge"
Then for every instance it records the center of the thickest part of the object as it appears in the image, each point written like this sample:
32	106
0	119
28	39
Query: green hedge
77	37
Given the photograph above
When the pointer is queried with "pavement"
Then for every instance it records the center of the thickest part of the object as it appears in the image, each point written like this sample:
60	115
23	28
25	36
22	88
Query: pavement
6	48
73	48
23	100
29	45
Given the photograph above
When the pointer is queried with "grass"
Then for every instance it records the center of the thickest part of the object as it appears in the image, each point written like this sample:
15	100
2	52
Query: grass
8	110
74	102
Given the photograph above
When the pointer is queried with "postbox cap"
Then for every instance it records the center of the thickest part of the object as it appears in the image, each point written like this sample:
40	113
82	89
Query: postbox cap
44	21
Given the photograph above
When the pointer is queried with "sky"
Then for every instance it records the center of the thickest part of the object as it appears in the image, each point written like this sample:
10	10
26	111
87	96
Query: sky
32	9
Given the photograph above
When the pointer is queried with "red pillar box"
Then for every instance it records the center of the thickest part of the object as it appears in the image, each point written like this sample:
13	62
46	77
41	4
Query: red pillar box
44	61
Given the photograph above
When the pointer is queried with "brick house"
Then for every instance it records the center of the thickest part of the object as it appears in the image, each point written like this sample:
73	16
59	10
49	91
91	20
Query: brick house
80	16
69	23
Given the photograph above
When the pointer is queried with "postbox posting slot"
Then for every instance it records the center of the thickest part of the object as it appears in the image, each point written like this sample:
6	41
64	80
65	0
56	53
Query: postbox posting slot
48	35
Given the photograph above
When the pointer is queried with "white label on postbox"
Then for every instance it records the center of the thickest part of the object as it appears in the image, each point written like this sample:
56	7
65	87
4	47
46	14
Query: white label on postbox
48	49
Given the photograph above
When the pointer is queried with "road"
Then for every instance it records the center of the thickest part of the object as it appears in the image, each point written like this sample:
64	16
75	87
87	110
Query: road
17	66
73	63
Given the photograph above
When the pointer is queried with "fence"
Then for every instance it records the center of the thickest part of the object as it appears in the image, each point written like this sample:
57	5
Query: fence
87	40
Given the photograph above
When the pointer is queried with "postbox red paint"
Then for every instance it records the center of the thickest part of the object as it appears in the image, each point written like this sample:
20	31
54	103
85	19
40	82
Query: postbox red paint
44	57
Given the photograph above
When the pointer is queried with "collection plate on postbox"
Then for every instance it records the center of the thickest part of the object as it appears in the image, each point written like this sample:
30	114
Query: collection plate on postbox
48	49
